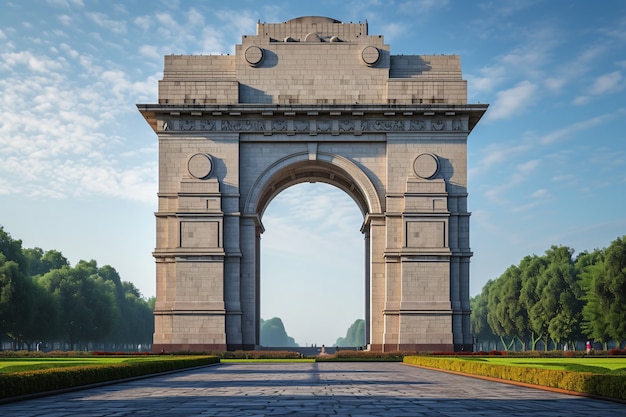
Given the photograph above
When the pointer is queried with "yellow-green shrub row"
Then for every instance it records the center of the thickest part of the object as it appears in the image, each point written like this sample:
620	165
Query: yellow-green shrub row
31	382
609	386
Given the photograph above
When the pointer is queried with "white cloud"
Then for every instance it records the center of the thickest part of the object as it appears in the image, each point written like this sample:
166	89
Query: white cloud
61	132
496	154
542	193
28	59
572	70
393	30
65	19
59	3
555	83
143	22
512	101
150	51
528	167
520	208
194	17
563	178
236	22
490	77
213	41
606	83
521	175
69	50
66	3
568	131
146	91
166	20
422	6
581	100
102	20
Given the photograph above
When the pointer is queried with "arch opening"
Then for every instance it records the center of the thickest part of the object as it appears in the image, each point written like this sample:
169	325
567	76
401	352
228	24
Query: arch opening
313	262
311	171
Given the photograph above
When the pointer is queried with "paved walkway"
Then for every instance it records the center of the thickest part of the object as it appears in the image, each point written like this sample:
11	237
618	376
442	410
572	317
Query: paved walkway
313	389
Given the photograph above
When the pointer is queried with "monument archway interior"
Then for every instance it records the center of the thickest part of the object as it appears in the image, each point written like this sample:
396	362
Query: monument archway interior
321	167
312	99
312	272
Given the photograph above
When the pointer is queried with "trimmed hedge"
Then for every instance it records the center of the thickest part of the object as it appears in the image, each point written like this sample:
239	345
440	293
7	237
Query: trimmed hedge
259	354
362	356
609	386
32	382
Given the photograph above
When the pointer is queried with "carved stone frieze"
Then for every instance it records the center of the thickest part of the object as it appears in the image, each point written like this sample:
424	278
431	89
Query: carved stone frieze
301	125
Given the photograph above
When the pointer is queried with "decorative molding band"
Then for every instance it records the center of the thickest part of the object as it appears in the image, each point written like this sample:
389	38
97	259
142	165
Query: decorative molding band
315	126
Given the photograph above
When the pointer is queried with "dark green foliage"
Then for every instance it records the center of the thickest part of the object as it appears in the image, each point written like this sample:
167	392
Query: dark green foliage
605	283
44	298
259	354
362	356
554	300
355	336
603	385
480	326
29	382
21	303
273	334
39	262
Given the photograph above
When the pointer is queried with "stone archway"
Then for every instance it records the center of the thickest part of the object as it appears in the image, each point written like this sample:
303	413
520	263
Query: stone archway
331	169
312	99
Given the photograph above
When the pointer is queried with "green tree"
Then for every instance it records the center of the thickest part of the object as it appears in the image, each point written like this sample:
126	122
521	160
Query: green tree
11	249
151	303
480	326
39	262
595	322
33	260
138	321
43	298
562	295
604	278
41	323
88	310
15	286
273	334
615	270
355	336
531	269
506	314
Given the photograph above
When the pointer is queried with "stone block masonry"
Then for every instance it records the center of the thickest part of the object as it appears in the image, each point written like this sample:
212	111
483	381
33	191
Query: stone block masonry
312	99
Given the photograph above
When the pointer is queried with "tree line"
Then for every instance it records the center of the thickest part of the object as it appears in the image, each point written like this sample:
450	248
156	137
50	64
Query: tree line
355	336
273	334
44	301
555	301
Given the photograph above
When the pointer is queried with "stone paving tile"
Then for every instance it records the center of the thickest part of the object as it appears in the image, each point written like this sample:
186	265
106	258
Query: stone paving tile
313	390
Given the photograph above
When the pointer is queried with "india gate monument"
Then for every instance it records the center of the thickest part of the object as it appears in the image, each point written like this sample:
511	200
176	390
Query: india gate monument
312	99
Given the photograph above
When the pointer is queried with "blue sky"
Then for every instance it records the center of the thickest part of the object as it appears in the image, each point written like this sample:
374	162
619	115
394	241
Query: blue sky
78	164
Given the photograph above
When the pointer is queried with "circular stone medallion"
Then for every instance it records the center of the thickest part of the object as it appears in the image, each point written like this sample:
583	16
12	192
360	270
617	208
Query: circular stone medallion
254	55
370	55
200	165
426	166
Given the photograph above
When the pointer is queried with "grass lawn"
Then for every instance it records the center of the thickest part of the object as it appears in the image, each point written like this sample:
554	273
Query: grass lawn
598	365
10	365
